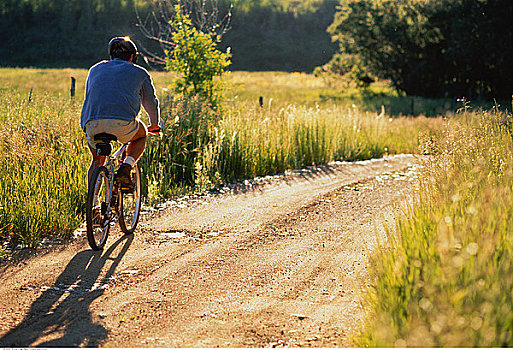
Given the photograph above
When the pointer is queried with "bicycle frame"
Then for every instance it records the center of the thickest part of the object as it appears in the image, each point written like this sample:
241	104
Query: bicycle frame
110	165
105	195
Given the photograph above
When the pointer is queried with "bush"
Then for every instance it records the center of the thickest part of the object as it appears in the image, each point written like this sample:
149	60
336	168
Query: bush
196	60
170	164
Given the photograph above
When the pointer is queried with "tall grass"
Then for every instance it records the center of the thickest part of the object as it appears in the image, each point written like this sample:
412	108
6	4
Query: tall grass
448	278
169	164
42	167
43	156
261	141
202	149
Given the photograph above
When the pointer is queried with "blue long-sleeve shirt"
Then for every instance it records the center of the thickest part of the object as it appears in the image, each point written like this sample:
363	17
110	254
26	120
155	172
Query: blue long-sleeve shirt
115	89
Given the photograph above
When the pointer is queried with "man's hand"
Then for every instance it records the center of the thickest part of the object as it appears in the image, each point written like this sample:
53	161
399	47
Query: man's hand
154	129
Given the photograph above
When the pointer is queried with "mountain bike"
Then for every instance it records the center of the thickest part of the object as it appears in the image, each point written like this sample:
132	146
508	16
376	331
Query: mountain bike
107	199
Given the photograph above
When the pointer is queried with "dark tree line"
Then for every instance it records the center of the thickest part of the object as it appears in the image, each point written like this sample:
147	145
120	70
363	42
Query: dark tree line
430	48
281	35
264	35
60	32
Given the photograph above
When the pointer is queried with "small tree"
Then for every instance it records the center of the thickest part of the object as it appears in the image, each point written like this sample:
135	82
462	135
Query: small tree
195	58
187	32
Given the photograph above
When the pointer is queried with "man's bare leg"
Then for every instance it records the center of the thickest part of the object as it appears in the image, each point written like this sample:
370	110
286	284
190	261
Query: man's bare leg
138	143
96	162
134	151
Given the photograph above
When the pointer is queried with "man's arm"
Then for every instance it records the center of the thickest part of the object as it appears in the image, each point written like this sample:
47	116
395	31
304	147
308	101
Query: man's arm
150	101
83	116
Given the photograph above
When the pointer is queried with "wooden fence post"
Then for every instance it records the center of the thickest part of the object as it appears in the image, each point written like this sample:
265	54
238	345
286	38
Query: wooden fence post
72	90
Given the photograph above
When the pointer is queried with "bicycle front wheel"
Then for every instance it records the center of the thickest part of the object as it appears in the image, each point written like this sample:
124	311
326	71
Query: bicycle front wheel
98	208
130	204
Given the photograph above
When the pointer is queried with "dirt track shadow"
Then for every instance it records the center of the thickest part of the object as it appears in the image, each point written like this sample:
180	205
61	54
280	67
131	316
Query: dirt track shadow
61	313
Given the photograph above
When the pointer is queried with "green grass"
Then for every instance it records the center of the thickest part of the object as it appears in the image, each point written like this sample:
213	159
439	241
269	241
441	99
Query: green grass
42	166
202	148
44	158
447	279
53	82
278	89
281	89
444	279
265	141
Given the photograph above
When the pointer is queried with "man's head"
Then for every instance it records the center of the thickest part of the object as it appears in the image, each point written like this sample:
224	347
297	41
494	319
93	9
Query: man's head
123	48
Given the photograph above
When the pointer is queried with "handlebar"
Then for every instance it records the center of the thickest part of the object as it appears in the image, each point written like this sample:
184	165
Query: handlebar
155	129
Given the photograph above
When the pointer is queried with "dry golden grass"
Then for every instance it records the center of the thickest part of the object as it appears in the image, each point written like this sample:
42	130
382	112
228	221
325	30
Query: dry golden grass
448	279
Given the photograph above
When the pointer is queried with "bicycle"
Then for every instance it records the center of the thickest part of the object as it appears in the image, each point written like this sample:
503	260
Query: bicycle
105	197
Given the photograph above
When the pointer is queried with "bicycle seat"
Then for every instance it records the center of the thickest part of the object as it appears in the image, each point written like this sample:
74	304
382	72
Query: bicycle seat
105	137
104	148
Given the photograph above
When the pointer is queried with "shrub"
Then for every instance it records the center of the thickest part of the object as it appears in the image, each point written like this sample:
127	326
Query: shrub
196	60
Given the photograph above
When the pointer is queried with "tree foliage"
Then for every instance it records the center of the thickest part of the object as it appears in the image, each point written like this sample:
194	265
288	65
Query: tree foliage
285	35
51	32
280	34
430	48
195	58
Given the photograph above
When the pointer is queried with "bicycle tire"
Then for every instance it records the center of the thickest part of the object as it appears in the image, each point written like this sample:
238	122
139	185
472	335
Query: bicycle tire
129	207
97	223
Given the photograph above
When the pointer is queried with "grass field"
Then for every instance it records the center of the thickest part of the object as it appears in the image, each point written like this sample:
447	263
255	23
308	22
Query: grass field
445	277
278	89
44	157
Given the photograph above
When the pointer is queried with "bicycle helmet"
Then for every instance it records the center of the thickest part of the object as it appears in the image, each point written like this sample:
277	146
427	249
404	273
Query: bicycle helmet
123	48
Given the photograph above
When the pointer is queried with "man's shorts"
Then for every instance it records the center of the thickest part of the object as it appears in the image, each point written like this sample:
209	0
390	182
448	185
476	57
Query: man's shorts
122	129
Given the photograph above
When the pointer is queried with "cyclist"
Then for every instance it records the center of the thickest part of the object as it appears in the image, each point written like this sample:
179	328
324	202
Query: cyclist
115	90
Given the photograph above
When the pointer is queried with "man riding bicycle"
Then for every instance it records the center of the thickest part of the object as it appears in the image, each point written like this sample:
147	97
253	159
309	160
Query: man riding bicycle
115	90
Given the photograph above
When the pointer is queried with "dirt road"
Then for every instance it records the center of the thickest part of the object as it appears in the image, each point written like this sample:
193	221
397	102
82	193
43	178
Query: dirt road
279	261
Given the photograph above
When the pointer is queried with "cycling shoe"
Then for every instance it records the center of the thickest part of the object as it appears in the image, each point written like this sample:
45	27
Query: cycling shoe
123	178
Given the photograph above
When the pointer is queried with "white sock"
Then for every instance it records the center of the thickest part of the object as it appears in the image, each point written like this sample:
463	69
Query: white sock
130	161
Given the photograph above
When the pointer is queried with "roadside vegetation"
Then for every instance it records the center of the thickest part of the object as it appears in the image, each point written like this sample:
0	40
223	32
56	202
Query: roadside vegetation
44	156
42	167
445	278
200	150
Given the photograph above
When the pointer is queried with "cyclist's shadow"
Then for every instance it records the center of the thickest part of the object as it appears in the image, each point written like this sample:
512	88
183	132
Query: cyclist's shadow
60	317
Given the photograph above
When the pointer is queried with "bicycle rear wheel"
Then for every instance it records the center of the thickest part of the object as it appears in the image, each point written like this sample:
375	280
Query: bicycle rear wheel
98	208
130	204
